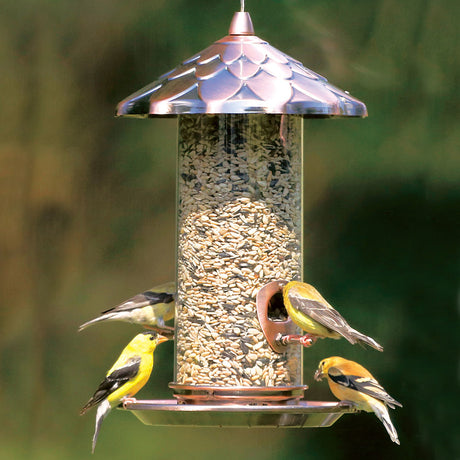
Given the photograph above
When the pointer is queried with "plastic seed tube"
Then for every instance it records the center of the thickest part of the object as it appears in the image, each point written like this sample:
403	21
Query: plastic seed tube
239	227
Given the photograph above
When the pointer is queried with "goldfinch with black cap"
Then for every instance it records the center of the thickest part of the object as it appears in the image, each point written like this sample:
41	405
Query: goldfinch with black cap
125	378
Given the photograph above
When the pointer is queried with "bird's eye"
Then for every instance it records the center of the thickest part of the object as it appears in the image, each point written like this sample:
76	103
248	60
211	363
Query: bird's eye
152	337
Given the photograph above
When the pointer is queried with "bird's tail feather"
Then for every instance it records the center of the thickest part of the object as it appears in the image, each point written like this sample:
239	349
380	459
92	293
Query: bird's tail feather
106	317
87	407
102	411
381	411
364	339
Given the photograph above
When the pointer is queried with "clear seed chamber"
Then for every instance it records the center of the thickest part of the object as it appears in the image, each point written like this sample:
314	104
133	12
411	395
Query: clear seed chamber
239	227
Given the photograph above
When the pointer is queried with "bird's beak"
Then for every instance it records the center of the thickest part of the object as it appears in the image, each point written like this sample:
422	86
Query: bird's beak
161	339
318	375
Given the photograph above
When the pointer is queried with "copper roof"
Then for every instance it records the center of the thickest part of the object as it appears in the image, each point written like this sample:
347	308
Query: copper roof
241	73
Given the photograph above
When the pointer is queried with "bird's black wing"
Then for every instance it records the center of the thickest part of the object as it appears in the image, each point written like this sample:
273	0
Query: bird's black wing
114	381
126	372
366	385
323	314
142	300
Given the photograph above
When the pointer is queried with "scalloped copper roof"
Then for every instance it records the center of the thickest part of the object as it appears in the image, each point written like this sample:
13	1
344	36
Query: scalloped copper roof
241	73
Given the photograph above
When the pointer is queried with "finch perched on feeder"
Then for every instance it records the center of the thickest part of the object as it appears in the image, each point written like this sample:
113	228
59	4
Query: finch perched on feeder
125	378
312	313
349	381
150	308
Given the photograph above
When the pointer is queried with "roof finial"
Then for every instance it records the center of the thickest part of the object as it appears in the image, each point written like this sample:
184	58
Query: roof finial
241	23
242	6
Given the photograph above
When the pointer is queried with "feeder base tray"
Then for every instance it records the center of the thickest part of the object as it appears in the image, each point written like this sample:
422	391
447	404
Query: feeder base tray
303	414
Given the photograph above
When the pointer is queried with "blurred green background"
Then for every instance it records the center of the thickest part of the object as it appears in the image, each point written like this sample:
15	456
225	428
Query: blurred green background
87	216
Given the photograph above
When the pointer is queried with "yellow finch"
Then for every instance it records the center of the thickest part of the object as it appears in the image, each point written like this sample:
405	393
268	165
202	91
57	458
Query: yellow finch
349	381
125	378
150	308
312	313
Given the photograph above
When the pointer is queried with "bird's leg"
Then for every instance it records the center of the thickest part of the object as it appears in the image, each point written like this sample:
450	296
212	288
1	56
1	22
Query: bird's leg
287	339
128	400
160	330
167	331
347	404
308	340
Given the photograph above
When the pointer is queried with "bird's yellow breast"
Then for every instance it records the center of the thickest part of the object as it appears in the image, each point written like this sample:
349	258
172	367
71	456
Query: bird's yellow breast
309	325
131	387
347	394
151	313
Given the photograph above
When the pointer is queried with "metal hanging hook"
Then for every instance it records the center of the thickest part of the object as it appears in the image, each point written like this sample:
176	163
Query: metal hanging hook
242	5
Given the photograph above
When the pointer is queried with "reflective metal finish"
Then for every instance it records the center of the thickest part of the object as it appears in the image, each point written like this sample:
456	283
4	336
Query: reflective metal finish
241	73
301	415
206	394
241	24
273	329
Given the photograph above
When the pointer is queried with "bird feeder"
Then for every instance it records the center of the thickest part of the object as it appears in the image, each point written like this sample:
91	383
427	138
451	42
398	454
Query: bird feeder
240	105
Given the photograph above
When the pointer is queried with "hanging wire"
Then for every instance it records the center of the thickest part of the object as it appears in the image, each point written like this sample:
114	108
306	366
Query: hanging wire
242	5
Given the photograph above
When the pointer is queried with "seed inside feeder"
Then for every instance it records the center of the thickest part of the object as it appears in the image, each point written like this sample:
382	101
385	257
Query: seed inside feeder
239	227
276	310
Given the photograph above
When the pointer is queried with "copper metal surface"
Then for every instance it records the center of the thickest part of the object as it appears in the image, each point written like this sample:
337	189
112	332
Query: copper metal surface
241	24
273	330
304	414
241	73
204	394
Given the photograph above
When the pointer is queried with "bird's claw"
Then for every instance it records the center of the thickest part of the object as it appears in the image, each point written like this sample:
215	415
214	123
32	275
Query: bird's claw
308	340
167	331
